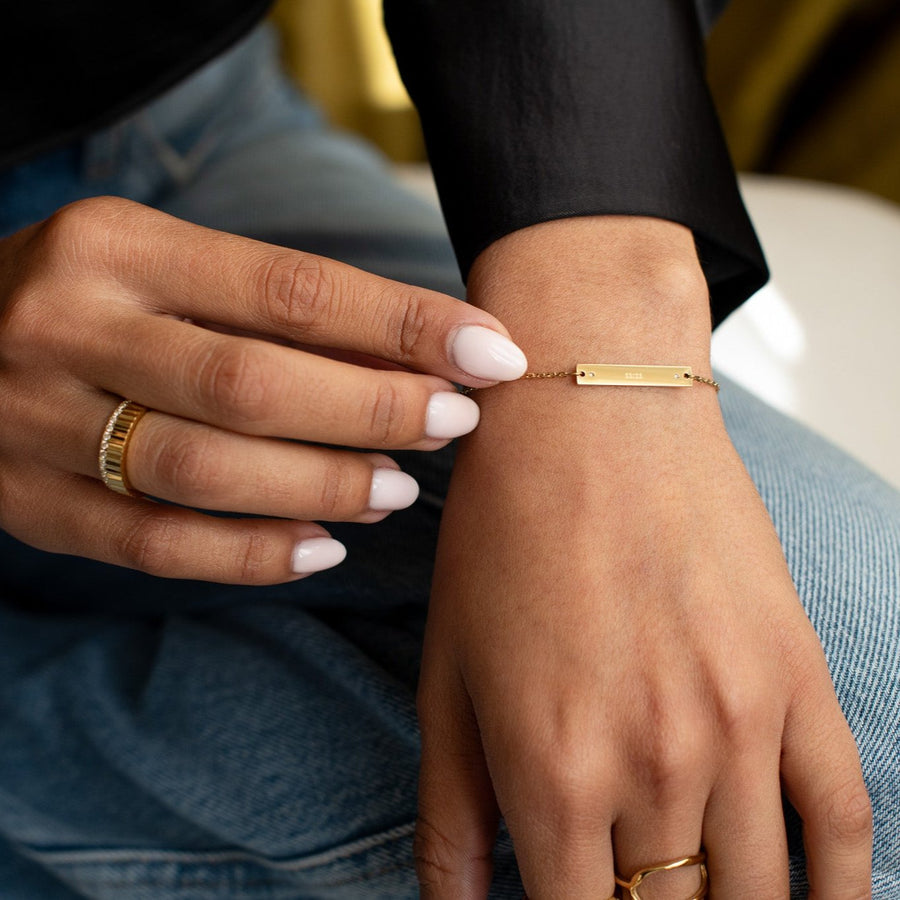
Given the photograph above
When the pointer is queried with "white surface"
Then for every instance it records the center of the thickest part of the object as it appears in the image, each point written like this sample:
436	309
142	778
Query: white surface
821	342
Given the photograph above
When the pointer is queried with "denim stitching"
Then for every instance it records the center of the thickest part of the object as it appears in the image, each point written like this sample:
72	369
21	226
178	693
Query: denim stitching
214	857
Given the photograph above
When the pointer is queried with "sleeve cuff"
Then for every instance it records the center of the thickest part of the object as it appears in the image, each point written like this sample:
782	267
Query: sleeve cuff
544	109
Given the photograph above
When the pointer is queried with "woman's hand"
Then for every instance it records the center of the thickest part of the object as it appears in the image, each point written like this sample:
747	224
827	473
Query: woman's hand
616	660
101	302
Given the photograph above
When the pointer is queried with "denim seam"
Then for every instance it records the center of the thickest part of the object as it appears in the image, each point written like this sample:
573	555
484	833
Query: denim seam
207	882
70	857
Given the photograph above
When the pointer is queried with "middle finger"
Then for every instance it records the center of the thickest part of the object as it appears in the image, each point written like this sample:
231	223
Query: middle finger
256	387
746	837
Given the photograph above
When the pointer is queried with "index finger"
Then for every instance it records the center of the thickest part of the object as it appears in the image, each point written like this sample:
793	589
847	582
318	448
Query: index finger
241	283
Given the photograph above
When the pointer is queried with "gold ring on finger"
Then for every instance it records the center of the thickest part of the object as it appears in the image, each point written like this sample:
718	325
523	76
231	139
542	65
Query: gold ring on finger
114	445
632	884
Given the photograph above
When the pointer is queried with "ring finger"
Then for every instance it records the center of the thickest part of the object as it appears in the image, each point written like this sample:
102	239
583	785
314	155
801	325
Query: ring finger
649	836
198	465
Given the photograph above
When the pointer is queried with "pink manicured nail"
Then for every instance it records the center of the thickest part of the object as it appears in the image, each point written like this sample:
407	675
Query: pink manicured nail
392	490
450	415
487	354
316	554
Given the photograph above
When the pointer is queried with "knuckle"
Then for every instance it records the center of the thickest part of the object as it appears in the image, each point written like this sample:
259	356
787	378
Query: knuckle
405	326
744	712
237	382
299	290
570	784
387	414
569	775
151	542
69	225
339	494
80	230
847	813
53	260
187	465
437	858
672	757
254	557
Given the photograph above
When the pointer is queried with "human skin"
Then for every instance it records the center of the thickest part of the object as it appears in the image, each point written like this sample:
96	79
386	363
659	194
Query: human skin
616	660
104	300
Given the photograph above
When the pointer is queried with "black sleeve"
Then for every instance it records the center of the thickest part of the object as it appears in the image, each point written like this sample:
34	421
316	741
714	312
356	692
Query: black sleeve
68	68
544	109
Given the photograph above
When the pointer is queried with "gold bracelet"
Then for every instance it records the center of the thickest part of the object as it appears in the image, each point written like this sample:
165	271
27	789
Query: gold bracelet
628	376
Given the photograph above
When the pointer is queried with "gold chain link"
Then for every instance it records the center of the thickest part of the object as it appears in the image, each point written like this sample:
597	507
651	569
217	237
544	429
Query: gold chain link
708	381
550	374
529	375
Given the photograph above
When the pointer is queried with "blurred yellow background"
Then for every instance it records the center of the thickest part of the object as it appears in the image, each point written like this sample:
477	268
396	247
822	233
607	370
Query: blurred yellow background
809	88
339	53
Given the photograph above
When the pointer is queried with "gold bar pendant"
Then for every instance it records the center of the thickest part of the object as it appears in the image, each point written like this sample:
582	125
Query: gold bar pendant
635	376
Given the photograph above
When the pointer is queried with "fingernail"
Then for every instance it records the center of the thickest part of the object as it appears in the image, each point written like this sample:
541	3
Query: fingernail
485	353
316	554
450	415
392	489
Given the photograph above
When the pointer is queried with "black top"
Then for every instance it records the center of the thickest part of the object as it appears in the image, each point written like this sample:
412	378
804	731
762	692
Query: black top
532	109
69	67
541	109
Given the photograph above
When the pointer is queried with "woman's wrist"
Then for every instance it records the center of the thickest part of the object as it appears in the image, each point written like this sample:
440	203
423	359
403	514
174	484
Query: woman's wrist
611	289
598	287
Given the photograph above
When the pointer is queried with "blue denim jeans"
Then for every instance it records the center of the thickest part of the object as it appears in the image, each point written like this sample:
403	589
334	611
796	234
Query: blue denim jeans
169	740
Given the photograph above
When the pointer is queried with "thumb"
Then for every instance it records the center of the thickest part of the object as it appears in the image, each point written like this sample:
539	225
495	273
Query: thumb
458	815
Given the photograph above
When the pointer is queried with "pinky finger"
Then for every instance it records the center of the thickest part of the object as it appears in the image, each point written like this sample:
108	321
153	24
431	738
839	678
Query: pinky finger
80	516
825	784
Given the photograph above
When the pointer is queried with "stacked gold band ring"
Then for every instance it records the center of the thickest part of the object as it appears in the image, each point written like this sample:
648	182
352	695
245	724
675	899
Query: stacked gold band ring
114	443
632	884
